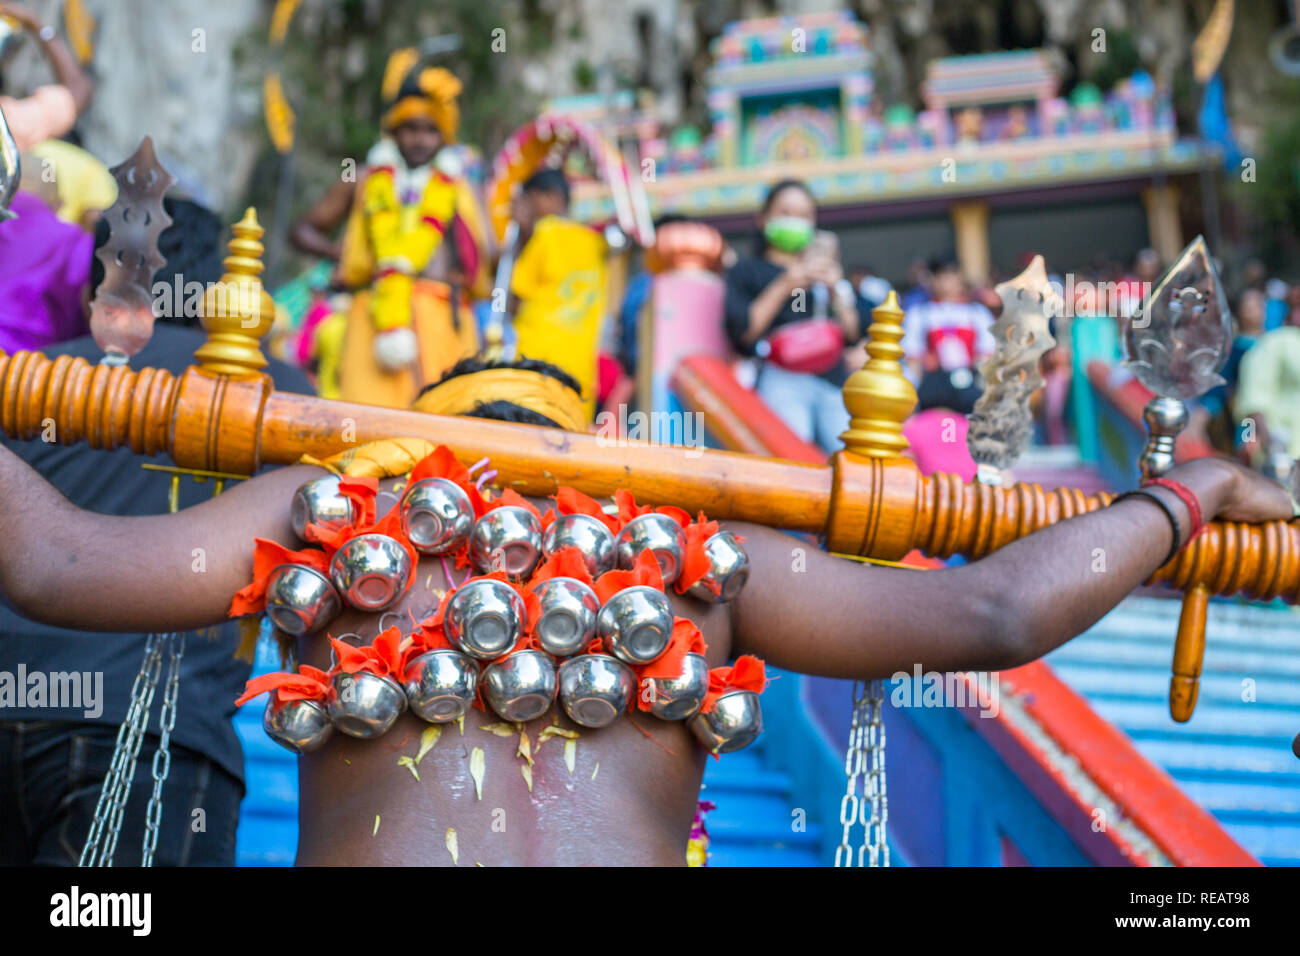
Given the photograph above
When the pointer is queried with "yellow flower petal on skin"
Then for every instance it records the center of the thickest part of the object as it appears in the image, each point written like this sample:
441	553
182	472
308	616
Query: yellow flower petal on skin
553	731
453	845
376	829
460	722
595	770
409	764
527	771
525	748
476	863
501	730
570	754
428	739
477	767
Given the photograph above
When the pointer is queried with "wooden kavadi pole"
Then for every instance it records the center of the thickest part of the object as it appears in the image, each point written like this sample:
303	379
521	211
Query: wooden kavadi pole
223	414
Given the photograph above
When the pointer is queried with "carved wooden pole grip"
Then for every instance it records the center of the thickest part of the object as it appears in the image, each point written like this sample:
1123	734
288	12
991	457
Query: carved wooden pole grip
67	400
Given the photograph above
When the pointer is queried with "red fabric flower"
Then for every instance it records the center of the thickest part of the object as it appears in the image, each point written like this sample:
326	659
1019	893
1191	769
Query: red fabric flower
565	563
267	556
571	501
748	673
442	463
513	499
695	559
382	658
629	509
310	683
644	572
361	492
686	639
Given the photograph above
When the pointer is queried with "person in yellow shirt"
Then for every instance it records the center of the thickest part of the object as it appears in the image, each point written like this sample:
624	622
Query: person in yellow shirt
558	283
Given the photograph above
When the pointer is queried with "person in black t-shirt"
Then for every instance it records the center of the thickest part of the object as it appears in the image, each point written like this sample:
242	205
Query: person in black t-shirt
54	755
795	276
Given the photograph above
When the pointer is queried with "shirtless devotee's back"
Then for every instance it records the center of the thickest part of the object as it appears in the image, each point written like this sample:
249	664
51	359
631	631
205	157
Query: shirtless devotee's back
629	799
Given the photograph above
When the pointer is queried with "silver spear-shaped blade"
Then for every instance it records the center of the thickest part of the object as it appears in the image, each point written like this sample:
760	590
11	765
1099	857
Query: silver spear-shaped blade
1001	423
1179	340
1176	345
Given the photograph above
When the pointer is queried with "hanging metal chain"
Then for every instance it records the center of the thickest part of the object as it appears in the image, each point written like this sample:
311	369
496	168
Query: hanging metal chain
865	761
876	797
102	839
162	757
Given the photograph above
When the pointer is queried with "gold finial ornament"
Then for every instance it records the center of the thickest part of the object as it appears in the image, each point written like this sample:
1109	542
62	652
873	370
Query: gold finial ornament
878	396
237	311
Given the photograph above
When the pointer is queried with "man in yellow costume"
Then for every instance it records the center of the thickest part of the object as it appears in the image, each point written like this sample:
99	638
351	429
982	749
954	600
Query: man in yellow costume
559	284
414	243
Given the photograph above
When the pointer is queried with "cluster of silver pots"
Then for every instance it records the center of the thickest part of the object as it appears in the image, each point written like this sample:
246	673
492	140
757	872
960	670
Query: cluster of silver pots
486	617
439	686
664	537
369	572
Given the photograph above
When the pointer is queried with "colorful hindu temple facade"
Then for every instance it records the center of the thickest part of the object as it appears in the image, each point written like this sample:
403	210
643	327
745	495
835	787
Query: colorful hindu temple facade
795	97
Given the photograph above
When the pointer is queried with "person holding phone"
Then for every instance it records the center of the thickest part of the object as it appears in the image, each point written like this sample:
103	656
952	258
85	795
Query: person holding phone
790	305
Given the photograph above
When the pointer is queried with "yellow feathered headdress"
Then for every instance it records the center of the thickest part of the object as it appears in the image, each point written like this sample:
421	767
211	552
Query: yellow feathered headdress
411	92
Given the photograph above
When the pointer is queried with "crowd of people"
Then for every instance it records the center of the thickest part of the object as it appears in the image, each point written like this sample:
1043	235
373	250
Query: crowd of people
410	302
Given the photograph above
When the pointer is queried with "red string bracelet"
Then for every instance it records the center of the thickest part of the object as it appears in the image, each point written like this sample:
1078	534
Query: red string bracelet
1188	497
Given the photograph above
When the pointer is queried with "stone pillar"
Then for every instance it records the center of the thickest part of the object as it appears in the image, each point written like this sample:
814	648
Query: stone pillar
1163	225
970	226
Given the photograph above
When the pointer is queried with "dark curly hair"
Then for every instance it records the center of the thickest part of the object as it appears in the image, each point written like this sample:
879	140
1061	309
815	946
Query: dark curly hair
500	411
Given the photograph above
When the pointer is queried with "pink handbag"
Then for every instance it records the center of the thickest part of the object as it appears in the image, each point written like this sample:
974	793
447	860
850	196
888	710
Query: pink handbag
814	346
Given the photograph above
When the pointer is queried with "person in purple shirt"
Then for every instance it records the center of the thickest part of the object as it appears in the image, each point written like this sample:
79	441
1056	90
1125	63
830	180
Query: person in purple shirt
44	269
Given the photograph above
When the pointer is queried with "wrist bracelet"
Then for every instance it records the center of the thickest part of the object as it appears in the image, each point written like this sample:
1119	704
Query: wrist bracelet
1169	513
47	33
1188	497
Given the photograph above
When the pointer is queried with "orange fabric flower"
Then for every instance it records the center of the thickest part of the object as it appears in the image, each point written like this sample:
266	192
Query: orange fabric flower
571	501
748	673
442	463
267	556
310	683
361	492
382	657
695	559
644	572
686	639
565	563
629	509
513	499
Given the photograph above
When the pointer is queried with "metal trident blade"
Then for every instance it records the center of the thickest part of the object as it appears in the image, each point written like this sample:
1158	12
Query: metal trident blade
1001	423
121	314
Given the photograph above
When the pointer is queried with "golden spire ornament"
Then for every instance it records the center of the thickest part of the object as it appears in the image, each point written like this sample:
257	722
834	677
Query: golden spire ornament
878	396
237	311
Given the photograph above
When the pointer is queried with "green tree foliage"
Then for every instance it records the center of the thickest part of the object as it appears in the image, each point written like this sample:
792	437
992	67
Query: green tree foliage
1274	195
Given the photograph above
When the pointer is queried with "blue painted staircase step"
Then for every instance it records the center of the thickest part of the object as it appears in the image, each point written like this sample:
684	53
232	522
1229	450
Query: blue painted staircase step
755	820
1234	756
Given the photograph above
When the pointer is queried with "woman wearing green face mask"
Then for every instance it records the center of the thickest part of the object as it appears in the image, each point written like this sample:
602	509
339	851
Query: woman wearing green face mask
792	292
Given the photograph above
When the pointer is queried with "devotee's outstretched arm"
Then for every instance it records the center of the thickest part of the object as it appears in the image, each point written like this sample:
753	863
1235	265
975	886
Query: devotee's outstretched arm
818	614
65	566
